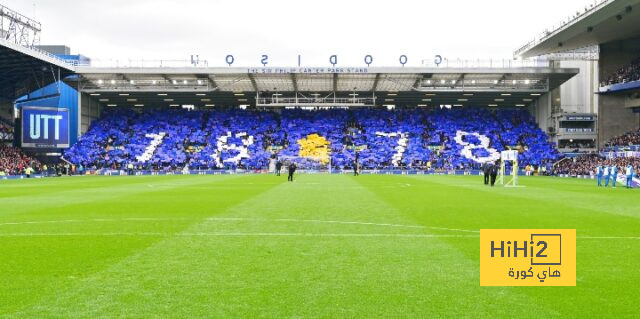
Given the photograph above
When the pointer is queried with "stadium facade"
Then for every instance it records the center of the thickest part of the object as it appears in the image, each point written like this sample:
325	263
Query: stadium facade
608	34
86	90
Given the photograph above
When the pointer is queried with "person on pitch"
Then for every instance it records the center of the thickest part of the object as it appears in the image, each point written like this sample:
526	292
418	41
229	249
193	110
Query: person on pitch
355	165
608	174
494	172
485	170
292	169
278	167
614	175
599	173
28	171
629	173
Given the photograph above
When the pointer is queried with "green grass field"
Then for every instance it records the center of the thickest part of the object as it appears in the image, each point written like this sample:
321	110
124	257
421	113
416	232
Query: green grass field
249	246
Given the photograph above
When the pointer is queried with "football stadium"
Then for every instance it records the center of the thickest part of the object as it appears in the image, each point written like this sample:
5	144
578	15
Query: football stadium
421	186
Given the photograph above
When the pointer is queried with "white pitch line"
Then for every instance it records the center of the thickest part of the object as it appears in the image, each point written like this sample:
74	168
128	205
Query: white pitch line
233	234
263	234
232	219
344	222
374	224
340	222
42	222
92	220
153	219
267	220
242	219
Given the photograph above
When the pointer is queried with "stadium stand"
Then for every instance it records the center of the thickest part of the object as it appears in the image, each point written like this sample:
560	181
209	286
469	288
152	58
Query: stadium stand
585	165
624	141
6	130
620	150
13	161
628	73
459	138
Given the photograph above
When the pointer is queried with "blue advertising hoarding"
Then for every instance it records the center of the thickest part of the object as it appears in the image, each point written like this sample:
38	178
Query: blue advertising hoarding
59	96
45	127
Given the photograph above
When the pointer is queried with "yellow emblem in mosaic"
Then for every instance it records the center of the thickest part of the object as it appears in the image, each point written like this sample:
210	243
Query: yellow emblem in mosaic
314	146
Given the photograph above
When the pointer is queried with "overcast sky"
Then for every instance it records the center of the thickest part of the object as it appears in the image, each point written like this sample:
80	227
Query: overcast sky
175	29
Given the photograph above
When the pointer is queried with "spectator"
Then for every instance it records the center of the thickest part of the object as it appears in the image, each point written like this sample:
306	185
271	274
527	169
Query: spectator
627	139
625	74
6	131
14	162
586	164
167	139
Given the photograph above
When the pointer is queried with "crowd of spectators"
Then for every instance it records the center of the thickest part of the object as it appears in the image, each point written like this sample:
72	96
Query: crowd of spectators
405	138
628	73
585	165
459	138
627	139
14	162
580	165
6	131
576	144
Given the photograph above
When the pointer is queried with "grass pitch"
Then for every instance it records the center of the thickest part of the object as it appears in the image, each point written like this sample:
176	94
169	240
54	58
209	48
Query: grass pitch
324	246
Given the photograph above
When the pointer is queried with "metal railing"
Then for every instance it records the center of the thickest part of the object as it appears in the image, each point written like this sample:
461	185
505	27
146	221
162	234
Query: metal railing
578	130
445	63
18	28
142	63
38	51
301	101
596	5
486	63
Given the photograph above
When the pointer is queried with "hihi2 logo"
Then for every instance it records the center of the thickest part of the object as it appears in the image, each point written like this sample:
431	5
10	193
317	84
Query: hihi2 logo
527	257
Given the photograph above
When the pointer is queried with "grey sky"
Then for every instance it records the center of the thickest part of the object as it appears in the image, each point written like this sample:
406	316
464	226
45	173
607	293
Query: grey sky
173	29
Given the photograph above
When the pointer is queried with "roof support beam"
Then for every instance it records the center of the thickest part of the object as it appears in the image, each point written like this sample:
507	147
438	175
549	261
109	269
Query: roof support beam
418	82
207	78
375	82
253	82
461	80
335	82
294	81
212	80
